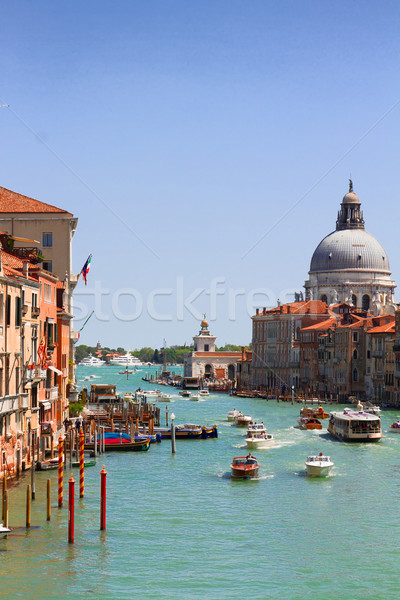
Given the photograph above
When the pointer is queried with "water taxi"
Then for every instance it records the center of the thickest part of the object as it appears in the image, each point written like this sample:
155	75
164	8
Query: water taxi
315	413
164	397
232	414
242	420
355	426
244	466
309	423
204	393
256	427
259	439
319	465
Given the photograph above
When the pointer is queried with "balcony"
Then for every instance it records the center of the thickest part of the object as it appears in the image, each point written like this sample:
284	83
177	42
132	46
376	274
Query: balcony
31	254
52	394
378	375
35	312
23	402
24	309
8	404
378	353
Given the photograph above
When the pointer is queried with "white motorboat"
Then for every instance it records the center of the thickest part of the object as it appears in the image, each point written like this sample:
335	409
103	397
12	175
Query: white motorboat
232	414
259	439
127	360
256	428
242	420
195	397
185	394
148	394
204	393
164	397
91	361
319	465
3	530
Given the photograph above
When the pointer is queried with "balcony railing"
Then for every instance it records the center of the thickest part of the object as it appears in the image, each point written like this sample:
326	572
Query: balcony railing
378	353
23	402
35	311
52	394
8	404
31	254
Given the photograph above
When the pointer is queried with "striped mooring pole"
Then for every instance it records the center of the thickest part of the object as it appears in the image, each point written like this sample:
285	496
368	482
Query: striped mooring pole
60	471
71	510
81	464
103	498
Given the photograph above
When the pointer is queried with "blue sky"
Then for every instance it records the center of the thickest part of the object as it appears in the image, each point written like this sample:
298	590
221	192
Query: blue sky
202	145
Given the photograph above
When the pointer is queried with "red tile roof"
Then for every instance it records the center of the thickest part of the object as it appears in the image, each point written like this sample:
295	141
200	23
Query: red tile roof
387	328
11	202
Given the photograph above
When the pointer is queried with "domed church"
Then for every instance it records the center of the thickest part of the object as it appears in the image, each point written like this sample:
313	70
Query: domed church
350	265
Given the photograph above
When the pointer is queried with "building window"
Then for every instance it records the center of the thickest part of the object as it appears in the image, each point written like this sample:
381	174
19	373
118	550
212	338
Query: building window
365	302
354	300
324	298
355	354
47	240
206	348
355	336
47	265
355	375
17	311
8	310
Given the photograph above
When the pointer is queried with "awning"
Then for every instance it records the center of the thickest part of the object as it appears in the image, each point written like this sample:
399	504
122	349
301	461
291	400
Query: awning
46	405
20	239
55	370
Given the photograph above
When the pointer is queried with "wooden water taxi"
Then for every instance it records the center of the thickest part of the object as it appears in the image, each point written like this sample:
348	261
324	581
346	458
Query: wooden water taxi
315	413
309	423
243	467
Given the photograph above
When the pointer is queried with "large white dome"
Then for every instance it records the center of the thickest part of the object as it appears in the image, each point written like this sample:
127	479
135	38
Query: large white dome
350	249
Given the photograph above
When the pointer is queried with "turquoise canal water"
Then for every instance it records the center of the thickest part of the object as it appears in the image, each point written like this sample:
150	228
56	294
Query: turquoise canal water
179	527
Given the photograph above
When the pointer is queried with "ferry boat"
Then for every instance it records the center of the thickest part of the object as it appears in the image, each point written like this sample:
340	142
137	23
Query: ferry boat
319	465
127	360
91	361
259	439
355	426
244	466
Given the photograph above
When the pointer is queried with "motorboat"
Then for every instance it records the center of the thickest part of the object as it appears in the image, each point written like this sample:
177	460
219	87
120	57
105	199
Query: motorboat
204	393
91	361
350	425
318	465
4	530
372	410
185	394
315	413
256	427
309	423
242	420
395	427
232	414
243	467
259	439
164	397
126	360
148	394
195	397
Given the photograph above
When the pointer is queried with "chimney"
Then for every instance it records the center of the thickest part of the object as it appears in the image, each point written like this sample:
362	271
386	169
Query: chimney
257	311
25	268
243	353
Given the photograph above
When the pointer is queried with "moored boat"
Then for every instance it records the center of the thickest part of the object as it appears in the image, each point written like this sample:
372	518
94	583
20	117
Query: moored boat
122	446
3	530
188	431
309	423
318	465
243	467
355	426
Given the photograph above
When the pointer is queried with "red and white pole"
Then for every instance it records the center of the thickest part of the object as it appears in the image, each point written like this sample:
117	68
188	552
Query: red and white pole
60	471
71	509
103	474
81	464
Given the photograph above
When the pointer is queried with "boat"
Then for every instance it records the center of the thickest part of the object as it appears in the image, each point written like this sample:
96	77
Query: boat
52	463
91	361
126	372
373	410
122	446
318	465
204	393
148	394
395	427
256	428
4	530
164	397
242	420
195	397
315	413
185	394
309	423
232	414
188	431
127	360
244	466
259	439
355	426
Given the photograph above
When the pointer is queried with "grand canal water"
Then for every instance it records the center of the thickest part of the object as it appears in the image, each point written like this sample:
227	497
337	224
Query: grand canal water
179	527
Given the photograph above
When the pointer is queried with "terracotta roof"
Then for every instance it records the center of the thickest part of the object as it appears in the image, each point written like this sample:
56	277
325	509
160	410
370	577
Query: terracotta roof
12	202
304	307
387	328
321	326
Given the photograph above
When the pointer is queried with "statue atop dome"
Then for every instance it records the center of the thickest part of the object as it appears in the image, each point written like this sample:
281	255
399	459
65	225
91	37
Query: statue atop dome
350	186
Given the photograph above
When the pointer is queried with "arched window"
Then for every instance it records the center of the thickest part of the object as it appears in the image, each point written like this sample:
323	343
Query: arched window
208	370
324	298
365	302
354	300
231	372
355	375
355	354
